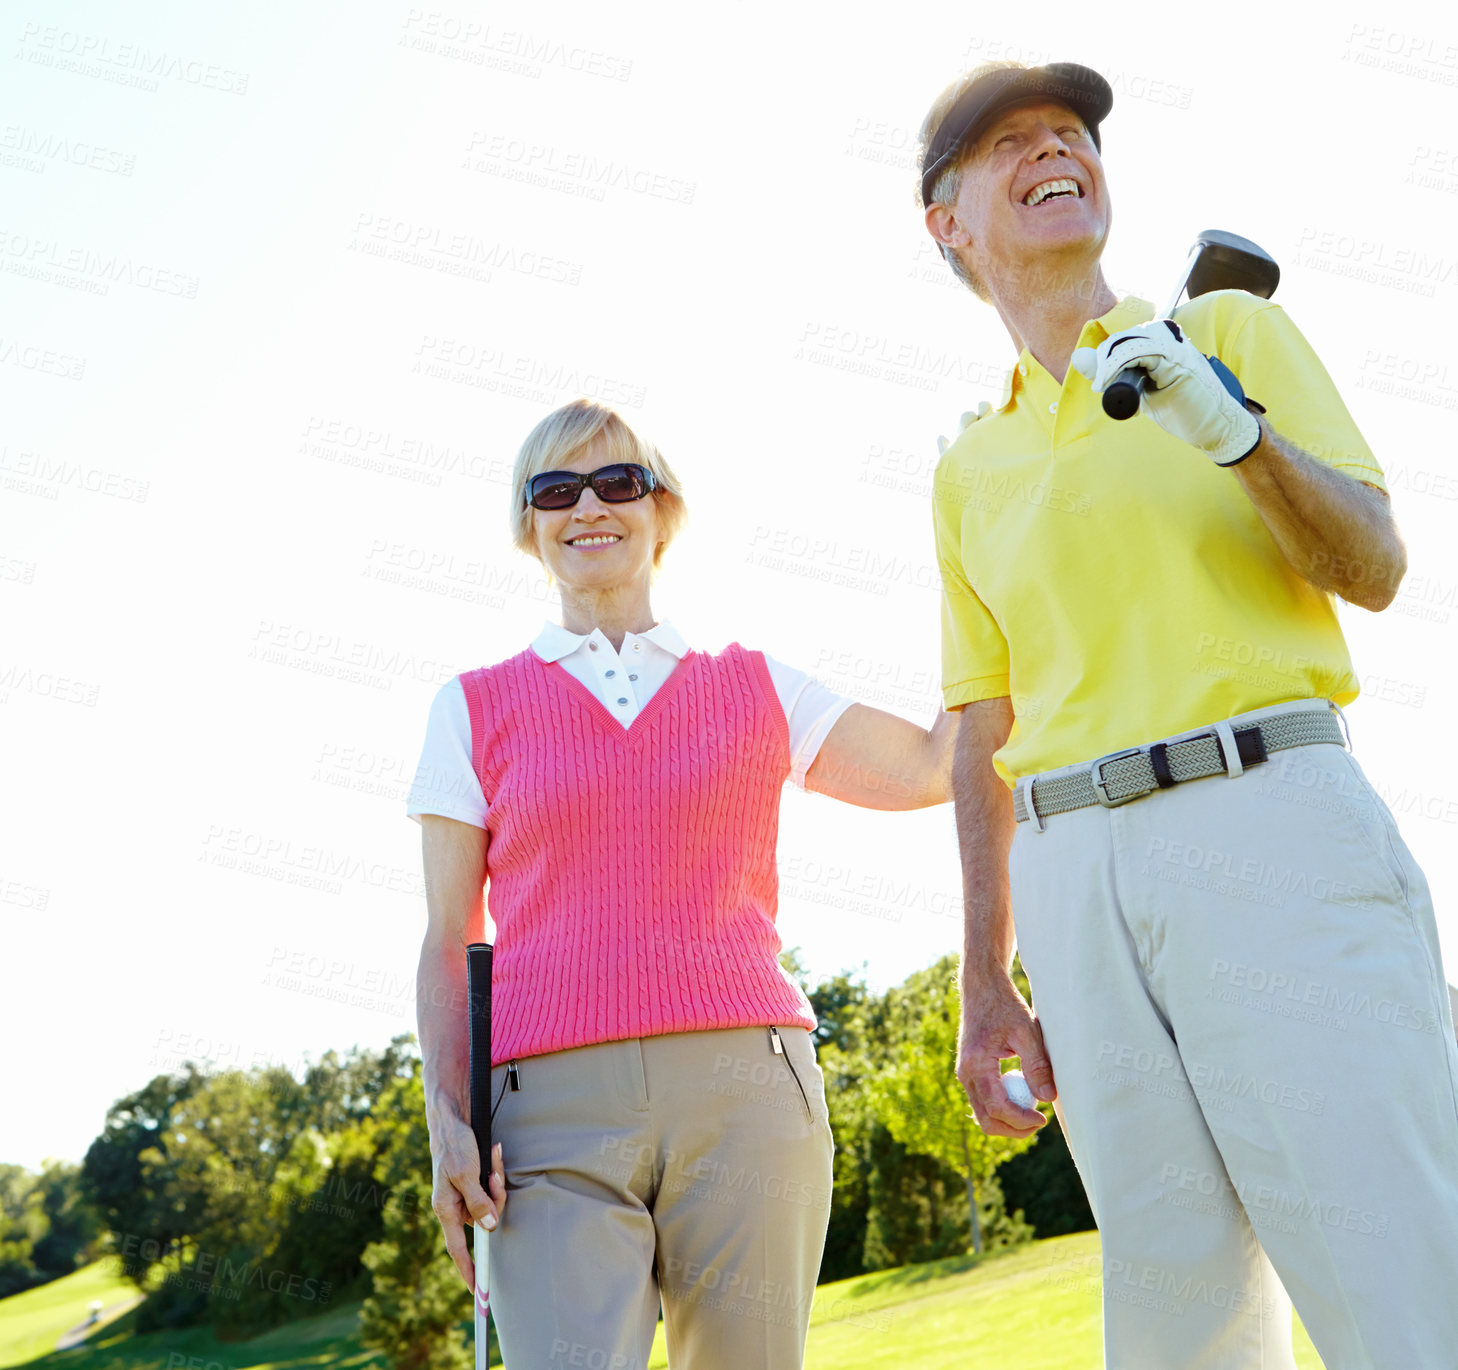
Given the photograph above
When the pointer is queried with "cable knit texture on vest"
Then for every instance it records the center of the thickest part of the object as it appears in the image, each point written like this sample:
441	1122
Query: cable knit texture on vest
631	872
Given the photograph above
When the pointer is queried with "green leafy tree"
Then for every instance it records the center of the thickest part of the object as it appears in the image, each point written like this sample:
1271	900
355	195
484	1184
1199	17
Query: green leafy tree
916	1210
923	1105
22	1227
133	1198
246	1198
417	1313
73	1226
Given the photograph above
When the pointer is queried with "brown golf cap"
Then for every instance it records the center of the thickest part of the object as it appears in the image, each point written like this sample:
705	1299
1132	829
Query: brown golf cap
1082	89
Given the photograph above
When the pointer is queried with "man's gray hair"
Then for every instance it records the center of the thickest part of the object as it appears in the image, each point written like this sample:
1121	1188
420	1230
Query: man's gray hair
949	183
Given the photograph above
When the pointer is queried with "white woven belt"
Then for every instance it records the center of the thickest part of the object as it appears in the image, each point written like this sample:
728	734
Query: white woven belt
1123	776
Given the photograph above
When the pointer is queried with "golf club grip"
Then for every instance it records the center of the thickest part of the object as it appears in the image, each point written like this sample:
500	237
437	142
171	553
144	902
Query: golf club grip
1121	395
478	996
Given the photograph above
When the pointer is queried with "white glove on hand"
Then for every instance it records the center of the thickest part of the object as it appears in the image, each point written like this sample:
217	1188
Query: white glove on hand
984	408
1184	395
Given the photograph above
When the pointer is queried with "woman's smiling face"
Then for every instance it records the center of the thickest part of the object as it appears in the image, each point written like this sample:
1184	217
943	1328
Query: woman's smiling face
595	545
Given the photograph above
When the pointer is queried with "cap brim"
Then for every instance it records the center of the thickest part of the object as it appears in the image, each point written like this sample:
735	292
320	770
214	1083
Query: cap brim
1081	88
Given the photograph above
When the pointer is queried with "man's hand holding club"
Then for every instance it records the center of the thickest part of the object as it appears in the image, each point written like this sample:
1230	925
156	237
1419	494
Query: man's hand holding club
1185	396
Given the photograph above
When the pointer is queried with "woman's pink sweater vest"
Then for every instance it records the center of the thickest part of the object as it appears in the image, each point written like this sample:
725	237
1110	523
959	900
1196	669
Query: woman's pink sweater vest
631	872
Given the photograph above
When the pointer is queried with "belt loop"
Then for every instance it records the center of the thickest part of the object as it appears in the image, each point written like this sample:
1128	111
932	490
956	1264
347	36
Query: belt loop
1346	727
1229	751
1159	764
1025	784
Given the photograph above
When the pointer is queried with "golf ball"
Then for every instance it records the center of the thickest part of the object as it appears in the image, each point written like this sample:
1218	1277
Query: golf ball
1017	1089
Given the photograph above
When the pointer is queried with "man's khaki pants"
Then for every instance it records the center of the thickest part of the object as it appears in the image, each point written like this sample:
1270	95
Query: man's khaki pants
692	1167
1241	991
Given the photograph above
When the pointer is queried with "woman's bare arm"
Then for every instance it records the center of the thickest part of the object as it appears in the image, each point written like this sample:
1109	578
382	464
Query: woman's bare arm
455	877
880	761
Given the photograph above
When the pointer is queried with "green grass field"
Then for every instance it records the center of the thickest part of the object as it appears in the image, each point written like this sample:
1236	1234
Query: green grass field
1042	1299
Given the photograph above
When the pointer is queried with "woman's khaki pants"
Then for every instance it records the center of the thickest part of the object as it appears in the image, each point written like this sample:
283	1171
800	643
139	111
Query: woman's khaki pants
692	1168
1241	991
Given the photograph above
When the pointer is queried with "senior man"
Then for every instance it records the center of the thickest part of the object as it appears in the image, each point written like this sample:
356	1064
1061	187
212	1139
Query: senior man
1232	953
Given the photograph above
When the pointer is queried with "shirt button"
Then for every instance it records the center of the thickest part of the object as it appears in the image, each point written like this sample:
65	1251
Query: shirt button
637	646
622	701
1053	408
632	677
1022	368
592	646
611	674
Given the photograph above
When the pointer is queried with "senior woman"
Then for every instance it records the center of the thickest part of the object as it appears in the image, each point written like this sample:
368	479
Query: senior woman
661	1119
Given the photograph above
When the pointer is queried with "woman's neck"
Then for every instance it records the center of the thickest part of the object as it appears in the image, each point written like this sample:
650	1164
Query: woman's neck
616	612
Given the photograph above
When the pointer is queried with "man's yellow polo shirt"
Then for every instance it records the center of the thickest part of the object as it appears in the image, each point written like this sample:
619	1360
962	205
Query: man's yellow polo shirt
1111	579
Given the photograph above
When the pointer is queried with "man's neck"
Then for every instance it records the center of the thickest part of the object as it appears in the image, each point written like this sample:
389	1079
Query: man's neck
1048	320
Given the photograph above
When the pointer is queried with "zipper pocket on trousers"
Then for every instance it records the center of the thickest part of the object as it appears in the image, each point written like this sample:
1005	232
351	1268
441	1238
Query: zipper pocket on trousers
513	1080
778	1047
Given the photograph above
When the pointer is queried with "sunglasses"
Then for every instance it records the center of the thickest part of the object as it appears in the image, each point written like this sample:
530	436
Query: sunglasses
617	484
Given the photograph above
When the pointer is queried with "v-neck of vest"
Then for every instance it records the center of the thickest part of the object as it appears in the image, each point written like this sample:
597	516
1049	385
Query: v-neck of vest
565	680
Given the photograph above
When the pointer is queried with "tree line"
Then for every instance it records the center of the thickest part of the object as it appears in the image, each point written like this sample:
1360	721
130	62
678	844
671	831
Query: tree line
243	1199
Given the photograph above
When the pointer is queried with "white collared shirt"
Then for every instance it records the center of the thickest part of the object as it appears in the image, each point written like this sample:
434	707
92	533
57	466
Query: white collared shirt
446	781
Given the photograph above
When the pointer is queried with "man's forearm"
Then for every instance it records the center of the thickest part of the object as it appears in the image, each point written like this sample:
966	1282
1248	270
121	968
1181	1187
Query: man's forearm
984	835
1337	533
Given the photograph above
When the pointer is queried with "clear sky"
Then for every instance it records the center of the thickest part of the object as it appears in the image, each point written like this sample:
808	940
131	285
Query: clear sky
283	289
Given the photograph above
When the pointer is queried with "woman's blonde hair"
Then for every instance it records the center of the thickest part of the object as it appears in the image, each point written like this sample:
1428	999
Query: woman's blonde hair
559	437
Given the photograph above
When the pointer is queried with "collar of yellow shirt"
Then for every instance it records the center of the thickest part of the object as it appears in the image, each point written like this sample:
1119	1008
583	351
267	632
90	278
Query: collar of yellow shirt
1129	311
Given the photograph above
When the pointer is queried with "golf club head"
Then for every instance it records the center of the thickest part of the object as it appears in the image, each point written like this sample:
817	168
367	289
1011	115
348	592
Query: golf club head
1218	261
1226	261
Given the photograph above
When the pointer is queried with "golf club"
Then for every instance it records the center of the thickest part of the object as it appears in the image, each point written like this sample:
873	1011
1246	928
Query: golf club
1218	261
478	1010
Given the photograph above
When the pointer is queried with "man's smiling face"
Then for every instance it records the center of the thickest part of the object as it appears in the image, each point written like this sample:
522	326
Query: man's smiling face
1032	185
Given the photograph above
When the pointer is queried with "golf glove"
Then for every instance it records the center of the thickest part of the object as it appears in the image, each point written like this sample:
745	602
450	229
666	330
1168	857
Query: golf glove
1184	396
971	416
